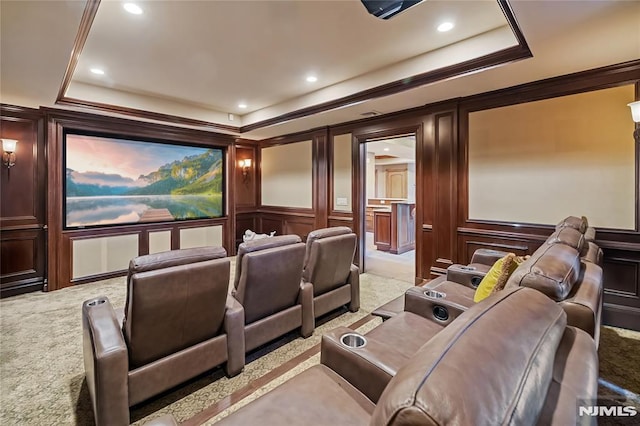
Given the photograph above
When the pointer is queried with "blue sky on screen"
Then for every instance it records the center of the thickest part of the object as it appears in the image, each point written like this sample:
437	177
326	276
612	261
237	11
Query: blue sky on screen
126	158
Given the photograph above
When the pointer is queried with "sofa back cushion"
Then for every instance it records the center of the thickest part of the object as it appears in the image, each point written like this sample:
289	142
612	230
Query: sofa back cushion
491	366
552	269
328	258
174	300
592	254
590	234
570	237
269	274
579	223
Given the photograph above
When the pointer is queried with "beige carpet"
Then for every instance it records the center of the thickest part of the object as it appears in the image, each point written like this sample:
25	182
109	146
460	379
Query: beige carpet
41	367
42	376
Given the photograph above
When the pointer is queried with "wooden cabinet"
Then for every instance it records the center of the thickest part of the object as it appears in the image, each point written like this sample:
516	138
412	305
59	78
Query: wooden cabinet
382	230
369	219
394	229
396	183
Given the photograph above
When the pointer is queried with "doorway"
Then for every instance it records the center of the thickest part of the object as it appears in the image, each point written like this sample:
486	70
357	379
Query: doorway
389	209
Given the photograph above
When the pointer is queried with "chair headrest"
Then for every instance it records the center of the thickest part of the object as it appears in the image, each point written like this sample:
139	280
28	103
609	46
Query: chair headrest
267	243
579	223
568	236
167	259
319	234
262	244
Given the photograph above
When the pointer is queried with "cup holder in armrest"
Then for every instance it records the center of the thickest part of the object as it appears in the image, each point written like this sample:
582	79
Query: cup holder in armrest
96	302
353	340
440	313
434	294
475	281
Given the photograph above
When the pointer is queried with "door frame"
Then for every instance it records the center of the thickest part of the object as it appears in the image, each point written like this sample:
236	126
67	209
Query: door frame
359	190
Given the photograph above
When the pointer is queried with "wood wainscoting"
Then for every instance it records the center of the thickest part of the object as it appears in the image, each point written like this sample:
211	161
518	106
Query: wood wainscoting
286	220
621	267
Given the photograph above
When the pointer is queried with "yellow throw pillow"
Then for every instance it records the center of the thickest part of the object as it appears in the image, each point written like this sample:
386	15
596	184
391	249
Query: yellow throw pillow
497	277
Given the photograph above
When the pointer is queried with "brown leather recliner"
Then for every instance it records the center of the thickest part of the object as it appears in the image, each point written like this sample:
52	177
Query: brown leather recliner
560	268
328	267
557	270
178	323
511	359
268	284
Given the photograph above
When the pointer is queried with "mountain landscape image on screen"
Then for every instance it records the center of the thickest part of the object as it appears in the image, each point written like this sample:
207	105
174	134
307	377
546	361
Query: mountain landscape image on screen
186	188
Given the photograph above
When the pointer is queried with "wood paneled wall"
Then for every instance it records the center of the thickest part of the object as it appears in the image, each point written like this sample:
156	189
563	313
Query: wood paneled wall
621	247
289	220
444	233
22	210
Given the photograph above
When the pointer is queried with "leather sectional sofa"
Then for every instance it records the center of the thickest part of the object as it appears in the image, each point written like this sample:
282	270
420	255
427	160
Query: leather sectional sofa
510	359
566	268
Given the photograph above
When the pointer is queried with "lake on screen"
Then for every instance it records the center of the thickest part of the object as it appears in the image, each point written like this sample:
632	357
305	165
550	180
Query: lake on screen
108	210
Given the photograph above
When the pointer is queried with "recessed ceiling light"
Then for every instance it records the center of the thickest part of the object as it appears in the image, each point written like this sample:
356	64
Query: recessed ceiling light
132	8
242	106
312	79
386	149
97	71
445	26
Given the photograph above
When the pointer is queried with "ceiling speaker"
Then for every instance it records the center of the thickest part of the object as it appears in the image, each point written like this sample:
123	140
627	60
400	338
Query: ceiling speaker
385	9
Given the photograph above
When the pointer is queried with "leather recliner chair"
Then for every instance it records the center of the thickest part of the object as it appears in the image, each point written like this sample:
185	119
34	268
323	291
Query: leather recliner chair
565	268
178	323
510	359
328	267
268	284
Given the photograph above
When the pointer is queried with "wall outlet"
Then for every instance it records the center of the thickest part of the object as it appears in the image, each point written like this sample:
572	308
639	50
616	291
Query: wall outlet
341	201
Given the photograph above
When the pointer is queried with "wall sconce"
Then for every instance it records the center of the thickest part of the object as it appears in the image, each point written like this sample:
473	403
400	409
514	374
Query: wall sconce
9	152
245	165
635	114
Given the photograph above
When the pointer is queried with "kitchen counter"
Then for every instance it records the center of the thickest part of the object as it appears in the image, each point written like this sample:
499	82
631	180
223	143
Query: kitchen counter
393	227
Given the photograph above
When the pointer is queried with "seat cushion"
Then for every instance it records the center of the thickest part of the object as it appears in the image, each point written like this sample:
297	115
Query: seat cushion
317	396
406	332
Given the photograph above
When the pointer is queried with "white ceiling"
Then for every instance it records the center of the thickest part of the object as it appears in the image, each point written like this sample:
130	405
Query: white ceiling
402	150
199	59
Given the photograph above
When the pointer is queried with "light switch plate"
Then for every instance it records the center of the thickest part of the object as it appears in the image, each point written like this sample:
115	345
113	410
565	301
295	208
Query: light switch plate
341	201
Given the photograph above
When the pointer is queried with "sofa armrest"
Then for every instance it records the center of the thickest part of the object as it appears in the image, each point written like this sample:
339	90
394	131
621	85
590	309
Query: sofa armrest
369	368
234	328
433	305
487	256
305	298
354	281
106	362
468	276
